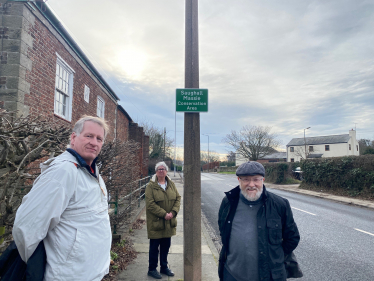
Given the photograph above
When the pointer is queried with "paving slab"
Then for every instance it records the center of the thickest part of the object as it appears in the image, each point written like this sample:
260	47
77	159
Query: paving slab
137	270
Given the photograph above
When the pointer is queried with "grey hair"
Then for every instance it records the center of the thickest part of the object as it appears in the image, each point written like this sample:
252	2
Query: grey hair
162	163
78	127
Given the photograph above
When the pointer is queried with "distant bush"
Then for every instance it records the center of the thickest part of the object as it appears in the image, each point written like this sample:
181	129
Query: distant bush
354	174
279	172
368	150
227	163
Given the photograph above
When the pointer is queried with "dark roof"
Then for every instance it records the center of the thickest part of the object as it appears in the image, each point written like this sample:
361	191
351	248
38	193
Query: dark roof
47	13
276	155
320	140
315	155
124	112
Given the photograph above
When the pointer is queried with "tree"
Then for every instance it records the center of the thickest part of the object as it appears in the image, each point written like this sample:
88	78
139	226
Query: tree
300	151
252	142
160	145
118	164
368	150
365	144
213	157
231	156
24	143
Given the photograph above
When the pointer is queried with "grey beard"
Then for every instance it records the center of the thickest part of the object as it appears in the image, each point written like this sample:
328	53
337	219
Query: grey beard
246	196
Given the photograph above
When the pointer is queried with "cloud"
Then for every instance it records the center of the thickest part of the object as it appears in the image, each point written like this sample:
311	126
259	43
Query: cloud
287	64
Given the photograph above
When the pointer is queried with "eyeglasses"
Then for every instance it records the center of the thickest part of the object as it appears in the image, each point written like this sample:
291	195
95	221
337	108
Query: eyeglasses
257	180
161	170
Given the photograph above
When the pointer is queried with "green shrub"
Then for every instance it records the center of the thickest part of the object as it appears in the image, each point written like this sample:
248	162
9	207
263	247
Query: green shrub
113	255
279	172
352	173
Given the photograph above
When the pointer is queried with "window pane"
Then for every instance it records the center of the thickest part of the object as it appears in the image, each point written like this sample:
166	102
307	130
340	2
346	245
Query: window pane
59	108
60	84
62	105
65	87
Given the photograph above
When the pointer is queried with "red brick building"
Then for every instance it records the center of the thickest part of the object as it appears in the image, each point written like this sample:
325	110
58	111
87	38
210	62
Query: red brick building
44	72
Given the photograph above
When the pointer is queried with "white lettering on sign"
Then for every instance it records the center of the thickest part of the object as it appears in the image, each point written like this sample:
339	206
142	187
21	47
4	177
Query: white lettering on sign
192	93
191	103
191	98
191	108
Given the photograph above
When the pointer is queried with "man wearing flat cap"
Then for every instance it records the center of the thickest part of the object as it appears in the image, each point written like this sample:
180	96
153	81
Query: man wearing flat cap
257	229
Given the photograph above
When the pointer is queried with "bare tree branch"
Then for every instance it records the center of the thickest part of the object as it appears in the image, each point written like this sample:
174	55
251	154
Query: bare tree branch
24	142
253	142
156	141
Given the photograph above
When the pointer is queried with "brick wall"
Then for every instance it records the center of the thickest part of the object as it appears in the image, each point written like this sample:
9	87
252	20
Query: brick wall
30	46
136	133
42	75
123	121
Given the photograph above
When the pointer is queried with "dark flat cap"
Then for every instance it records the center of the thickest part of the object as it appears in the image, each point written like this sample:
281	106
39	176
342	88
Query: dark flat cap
250	168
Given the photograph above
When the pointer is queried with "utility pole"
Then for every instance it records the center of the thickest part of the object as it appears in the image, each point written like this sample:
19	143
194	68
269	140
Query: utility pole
192	176
208	152
305	142
175	141
163	158
208	156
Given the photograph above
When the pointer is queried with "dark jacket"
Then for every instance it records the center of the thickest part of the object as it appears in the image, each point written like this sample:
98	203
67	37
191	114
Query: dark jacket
277	233
13	268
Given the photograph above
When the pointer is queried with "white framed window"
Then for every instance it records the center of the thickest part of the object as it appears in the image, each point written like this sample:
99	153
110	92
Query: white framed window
100	107
86	94
63	89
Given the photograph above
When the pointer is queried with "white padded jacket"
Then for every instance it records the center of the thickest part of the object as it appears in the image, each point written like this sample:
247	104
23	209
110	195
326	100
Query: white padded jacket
67	208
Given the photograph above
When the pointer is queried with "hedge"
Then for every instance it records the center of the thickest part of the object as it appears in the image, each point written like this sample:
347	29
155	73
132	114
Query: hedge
352	173
278	172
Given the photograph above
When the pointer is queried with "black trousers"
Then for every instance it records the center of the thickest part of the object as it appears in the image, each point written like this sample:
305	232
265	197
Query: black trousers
227	276
164	245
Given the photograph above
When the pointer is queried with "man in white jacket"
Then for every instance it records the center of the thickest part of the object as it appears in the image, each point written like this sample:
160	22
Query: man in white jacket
67	208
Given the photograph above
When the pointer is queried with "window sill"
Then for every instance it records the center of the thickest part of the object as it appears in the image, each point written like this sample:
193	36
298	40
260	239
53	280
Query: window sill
61	117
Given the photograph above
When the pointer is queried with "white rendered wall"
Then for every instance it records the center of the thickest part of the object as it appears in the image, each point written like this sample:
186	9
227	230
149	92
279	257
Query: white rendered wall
336	149
239	159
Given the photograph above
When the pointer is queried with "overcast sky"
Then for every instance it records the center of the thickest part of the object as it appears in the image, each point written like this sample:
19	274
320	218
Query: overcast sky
286	64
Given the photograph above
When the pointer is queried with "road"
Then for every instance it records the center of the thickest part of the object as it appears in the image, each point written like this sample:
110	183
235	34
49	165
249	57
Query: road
337	240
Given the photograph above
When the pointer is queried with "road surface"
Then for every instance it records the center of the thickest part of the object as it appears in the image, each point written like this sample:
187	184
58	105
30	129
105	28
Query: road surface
337	240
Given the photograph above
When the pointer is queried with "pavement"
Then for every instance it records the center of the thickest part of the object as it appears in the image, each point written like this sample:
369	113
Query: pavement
137	270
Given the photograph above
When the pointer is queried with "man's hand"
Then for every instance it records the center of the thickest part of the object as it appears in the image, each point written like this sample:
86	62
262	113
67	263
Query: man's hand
168	216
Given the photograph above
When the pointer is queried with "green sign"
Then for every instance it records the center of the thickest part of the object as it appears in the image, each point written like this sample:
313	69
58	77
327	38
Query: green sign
192	100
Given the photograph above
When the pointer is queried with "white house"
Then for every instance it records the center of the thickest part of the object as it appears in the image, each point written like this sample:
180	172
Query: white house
323	146
239	159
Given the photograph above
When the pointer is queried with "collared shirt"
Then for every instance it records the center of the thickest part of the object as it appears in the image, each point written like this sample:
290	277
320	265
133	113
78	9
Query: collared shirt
83	163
